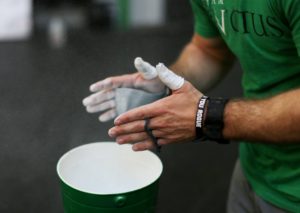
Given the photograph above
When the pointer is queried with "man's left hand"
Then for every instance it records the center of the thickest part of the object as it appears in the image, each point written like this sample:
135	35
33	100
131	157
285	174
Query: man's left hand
171	119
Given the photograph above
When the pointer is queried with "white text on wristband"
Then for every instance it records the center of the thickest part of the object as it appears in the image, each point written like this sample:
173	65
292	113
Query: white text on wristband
200	116
200	111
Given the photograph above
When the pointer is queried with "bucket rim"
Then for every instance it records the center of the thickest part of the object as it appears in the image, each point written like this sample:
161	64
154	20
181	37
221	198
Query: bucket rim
104	194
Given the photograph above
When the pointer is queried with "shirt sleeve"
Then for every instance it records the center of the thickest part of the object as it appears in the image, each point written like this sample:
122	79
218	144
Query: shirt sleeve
292	12
204	25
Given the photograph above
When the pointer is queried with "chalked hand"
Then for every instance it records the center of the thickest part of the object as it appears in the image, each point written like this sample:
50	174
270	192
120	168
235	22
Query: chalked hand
170	119
115	95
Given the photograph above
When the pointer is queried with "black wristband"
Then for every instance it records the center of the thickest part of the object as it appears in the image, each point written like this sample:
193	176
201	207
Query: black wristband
200	116
214	124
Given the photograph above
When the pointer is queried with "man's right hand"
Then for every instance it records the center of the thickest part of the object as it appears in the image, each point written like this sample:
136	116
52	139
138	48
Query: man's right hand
103	97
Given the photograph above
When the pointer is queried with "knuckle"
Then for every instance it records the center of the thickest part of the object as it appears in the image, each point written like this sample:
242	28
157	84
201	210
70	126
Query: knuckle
110	94
112	103
171	137
94	99
141	114
141	125
148	144
159	133
108	81
117	130
145	135
132	137
162	142
102	106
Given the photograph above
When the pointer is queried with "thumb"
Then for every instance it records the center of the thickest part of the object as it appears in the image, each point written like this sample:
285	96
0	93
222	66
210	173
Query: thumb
147	70
169	78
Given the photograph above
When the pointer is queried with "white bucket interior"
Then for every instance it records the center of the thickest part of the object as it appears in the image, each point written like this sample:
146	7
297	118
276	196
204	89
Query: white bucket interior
108	168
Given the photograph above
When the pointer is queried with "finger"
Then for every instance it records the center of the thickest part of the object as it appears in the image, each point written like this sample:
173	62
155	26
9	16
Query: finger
101	107
109	115
169	78
132	138
98	97
158	133
144	145
112	82
162	142
141	113
132	127
147	70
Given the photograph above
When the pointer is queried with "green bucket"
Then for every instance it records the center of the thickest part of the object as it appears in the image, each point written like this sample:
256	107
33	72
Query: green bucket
105	177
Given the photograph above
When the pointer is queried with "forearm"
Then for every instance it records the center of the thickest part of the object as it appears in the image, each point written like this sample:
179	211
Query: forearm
204	62
275	120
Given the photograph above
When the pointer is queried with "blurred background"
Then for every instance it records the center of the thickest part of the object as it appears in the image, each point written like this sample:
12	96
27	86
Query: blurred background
50	52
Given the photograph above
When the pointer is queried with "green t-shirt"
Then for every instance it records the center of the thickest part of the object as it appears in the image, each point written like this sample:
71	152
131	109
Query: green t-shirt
265	37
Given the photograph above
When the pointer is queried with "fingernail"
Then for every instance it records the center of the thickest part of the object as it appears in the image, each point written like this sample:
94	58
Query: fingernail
111	133
92	86
119	140
103	118
85	101
117	121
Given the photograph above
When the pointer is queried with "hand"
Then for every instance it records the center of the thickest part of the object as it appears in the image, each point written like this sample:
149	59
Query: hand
172	119
103	99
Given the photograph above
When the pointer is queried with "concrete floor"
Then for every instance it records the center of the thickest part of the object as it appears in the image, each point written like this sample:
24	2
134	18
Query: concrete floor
41	117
